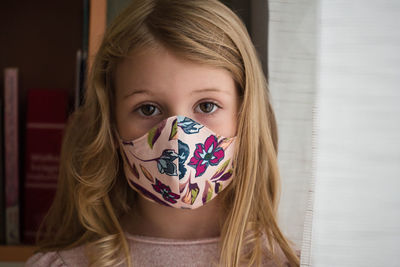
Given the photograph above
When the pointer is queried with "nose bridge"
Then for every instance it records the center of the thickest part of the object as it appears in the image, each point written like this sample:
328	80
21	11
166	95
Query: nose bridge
178	105
177	97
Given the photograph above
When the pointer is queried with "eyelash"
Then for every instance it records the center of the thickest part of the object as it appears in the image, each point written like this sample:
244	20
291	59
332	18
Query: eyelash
138	109
215	108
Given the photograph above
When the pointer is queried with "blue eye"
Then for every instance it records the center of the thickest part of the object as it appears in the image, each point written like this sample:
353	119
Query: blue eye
207	107
148	110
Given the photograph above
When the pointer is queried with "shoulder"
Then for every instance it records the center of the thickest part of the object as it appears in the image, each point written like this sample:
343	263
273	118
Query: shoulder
279	258
62	258
45	259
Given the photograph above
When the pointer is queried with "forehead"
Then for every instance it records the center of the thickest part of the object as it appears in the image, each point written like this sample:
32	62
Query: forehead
159	69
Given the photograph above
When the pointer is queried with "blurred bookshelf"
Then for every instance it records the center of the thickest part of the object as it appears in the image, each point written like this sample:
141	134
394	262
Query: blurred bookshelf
41	39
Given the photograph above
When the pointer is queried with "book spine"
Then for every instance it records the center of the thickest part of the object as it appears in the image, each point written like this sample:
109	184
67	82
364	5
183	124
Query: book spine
2	182
11	155
42	165
81	58
77	99
45	125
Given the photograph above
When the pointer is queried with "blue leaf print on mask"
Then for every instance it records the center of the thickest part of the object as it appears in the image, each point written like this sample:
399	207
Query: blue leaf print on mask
165	162
183	153
189	126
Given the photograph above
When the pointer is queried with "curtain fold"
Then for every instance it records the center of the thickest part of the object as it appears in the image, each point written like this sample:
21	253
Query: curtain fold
292	80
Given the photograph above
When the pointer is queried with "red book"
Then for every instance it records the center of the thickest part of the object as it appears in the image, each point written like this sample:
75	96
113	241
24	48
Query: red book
46	119
11	159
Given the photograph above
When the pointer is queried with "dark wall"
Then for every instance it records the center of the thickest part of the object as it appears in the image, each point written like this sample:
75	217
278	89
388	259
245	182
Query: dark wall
41	39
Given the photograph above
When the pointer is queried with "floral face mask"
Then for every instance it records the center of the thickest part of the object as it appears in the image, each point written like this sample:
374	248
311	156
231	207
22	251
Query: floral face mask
179	163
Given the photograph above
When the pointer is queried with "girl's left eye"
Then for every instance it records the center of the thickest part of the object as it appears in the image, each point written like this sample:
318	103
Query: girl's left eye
207	107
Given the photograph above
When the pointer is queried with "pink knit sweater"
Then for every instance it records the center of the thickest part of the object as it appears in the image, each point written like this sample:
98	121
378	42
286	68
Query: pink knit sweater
149	251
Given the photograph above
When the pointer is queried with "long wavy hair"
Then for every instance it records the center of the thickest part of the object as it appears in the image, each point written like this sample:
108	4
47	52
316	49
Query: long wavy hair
93	193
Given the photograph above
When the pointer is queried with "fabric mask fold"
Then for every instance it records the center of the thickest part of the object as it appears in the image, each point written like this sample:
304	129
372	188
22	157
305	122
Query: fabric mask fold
179	163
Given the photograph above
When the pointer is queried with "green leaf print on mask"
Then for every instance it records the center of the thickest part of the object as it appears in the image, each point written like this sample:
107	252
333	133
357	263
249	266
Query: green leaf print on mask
208	191
174	130
220	170
218	187
155	133
192	192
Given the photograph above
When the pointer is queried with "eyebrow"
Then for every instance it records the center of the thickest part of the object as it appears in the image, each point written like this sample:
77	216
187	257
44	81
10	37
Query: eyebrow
149	92
210	90
138	91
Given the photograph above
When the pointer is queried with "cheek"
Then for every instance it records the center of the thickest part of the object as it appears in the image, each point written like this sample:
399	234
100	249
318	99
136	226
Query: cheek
120	123
227	120
130	127
227	127
224	124
125	125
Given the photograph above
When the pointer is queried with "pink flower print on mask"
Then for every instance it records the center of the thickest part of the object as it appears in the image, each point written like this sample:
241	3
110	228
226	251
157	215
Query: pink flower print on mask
207	154
165	191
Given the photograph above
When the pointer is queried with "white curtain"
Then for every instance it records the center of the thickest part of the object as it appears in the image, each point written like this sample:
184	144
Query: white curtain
292	73
335	79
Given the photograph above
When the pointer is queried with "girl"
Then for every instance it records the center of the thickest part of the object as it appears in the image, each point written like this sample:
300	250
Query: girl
172	159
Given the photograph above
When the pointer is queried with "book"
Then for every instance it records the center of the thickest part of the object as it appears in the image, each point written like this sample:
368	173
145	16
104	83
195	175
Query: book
11	159
81	59
46	119
2	191
78	79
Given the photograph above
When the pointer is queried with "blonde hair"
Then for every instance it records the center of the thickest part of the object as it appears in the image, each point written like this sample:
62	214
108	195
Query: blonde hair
93	192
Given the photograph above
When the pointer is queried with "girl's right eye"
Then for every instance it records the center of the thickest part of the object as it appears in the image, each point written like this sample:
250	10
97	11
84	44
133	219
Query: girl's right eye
148	110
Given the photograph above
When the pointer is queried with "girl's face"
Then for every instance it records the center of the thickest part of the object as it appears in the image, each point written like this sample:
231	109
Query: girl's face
155	84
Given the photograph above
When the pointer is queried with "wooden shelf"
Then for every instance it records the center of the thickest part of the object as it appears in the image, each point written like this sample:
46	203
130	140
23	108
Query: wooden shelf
16	253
